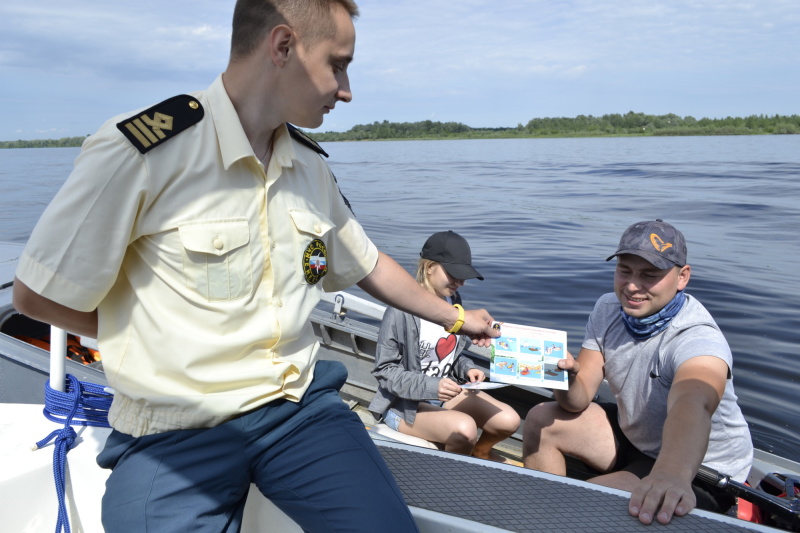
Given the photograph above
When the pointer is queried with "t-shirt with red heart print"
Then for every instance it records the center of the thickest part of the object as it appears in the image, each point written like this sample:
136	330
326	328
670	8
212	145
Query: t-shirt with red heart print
437	349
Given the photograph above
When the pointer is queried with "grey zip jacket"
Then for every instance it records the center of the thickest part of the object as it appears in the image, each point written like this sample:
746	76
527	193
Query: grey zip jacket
401	382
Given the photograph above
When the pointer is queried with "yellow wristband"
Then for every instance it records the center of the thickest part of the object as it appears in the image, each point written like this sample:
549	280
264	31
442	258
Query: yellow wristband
459	321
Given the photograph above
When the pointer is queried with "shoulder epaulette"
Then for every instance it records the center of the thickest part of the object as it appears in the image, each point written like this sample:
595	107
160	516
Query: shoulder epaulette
302	138
156	125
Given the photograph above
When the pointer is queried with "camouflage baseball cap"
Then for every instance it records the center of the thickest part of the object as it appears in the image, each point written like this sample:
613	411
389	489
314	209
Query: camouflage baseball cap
655	241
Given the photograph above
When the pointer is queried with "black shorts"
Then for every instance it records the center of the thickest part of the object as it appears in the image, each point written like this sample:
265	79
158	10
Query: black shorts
631	459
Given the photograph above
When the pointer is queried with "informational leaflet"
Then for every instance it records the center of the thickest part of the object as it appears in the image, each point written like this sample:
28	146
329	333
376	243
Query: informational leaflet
525	355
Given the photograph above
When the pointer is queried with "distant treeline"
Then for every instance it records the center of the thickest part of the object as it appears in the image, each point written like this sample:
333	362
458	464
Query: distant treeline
581	126
63	142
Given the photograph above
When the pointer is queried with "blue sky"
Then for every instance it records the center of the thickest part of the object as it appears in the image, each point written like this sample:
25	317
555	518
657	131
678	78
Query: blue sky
65	67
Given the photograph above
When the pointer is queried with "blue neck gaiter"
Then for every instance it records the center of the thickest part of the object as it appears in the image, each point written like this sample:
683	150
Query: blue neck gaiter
644	328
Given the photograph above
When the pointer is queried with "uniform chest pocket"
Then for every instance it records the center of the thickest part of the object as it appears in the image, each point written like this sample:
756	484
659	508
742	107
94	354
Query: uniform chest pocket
310	244
217	262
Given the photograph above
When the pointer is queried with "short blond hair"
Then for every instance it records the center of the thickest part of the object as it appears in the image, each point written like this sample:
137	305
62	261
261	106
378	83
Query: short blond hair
254	19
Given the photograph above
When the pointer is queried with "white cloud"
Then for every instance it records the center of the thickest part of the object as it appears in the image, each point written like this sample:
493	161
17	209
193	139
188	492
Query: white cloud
112	40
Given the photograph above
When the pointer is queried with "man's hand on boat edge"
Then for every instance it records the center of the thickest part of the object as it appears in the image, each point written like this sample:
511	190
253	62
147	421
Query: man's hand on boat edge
659	497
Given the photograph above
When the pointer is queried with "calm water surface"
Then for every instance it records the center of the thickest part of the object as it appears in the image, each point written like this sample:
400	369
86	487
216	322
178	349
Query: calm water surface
543	214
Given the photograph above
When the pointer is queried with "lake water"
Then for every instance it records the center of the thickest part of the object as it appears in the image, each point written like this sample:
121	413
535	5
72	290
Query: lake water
542	215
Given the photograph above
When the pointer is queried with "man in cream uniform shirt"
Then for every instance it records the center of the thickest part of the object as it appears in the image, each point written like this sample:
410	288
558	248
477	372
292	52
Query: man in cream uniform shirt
193	239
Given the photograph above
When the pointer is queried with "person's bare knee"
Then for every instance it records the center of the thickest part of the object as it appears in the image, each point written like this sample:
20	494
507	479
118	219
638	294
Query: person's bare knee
552	433
463	436
504	423
542	414
510	421
540	420
549	434
467	430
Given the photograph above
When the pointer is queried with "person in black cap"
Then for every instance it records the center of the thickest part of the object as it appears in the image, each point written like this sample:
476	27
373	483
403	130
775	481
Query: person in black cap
418	365
669	368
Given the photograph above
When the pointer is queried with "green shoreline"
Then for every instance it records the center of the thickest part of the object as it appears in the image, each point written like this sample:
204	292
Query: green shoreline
628	125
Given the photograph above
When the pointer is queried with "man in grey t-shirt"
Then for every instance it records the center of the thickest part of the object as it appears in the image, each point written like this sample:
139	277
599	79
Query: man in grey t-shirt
669	368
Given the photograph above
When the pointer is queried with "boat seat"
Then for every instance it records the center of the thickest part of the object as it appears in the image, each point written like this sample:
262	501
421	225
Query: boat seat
382	431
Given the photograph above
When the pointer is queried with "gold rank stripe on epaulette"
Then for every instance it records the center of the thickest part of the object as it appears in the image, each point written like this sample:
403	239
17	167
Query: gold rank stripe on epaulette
302	138
154	126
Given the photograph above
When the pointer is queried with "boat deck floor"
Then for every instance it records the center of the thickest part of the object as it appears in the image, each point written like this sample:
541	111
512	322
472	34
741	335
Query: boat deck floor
516	499
512	498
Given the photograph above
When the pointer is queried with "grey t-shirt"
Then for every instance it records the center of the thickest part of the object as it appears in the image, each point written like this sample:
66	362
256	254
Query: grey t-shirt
640	374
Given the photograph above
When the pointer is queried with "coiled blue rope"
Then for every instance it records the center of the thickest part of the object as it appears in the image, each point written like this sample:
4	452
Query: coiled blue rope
82	404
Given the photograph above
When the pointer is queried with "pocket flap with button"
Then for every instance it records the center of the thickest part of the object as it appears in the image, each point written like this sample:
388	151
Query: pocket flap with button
217	237
310	223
